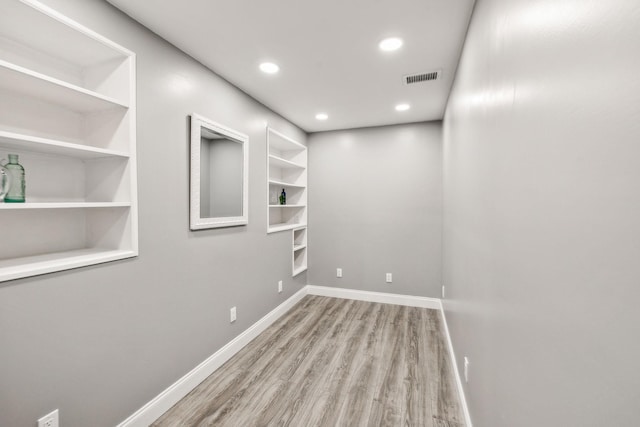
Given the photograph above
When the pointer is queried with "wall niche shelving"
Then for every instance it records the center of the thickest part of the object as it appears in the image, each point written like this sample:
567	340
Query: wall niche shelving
299	260
67	108
287	166
287	169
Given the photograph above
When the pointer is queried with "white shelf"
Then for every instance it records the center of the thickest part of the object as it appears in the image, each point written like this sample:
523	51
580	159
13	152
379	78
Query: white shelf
299	252
39	27
282	227
20	142
40	264
285	184
283	163
299	270
15	78
288	206
69	94
281	142
63	205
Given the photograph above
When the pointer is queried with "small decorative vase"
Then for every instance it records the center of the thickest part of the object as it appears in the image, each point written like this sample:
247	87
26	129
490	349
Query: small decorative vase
17	187
5	181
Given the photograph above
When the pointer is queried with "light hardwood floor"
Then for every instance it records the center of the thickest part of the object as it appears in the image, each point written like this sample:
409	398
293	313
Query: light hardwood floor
332	362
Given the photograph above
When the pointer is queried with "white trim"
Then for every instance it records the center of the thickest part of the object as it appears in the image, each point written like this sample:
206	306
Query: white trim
408	300
165	400
452	356
197	222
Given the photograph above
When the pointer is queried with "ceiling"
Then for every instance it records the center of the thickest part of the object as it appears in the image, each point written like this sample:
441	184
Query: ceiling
327	52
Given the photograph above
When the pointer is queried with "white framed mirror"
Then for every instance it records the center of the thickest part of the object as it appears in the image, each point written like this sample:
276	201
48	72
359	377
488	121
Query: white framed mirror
219	175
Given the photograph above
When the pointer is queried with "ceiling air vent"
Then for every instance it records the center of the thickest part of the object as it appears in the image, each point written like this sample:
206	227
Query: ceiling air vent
422	77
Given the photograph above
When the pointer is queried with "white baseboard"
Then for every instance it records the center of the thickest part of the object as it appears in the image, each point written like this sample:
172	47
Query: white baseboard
408	300
150	412
454	362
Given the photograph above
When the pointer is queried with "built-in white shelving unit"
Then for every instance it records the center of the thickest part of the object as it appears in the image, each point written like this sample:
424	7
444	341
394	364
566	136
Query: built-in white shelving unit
299	261
67	108
287	166
287	169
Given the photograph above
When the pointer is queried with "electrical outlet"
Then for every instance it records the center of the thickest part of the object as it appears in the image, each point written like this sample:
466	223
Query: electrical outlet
338	272
232	315
49	420
442	291
279	286
389	278
466	369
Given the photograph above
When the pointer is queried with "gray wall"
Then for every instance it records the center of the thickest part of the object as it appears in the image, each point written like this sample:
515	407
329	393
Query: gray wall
375	206
542	212
99	342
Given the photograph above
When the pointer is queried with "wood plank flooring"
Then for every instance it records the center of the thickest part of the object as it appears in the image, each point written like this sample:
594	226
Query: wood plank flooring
332	362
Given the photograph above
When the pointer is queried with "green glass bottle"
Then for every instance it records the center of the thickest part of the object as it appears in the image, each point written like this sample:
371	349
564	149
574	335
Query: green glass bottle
283	197
5	181
17	189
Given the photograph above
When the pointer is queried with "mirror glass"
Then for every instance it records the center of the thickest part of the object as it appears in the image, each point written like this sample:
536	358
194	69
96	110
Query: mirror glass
218	175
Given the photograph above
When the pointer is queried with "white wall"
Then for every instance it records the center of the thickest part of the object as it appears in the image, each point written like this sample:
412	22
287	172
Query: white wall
99	342
542	212
375	206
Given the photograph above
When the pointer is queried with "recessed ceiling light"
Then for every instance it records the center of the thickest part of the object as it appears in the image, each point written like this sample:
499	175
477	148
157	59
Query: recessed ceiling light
402	107
269	68
322	116
392	43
